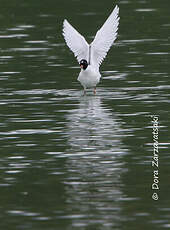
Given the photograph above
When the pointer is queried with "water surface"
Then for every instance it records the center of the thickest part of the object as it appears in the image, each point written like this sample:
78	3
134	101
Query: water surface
70	161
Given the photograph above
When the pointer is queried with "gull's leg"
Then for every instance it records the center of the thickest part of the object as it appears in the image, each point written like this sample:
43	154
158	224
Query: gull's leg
94	91
84	91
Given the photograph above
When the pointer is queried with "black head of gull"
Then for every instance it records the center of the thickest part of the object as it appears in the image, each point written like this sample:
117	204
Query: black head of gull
83	64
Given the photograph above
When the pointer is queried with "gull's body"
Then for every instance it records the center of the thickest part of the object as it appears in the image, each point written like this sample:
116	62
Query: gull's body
89	77
91	56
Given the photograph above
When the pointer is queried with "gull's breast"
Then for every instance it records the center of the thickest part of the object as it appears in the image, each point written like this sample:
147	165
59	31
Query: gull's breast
89	78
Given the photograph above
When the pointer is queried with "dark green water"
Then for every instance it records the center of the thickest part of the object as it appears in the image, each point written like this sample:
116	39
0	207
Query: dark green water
69	161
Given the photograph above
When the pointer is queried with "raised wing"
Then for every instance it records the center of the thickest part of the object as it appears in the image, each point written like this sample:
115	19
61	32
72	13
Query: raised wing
105	38
75	41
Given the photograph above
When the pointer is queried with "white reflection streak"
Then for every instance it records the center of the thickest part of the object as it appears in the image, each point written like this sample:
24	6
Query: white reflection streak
94	171
93	128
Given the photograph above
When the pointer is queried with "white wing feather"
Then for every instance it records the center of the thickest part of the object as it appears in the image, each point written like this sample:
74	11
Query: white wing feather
75	41
105	38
